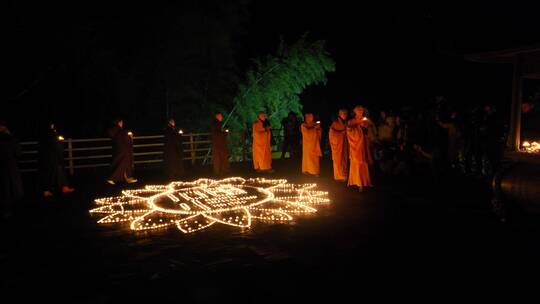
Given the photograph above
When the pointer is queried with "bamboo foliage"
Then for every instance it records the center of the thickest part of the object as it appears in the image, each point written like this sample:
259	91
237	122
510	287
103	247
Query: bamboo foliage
274	84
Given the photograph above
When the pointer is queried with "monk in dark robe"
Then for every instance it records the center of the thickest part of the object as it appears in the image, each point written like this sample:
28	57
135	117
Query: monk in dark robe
173	152
291	136
51	162
122	154
220	157
10	178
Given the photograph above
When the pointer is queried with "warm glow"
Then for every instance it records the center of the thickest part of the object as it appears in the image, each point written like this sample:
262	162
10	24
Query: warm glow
530	147
130	133
193	206
60	138
180	132
318	121
226	130
365	118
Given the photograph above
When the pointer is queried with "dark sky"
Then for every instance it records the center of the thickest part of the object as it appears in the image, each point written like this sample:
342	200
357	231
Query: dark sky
387	55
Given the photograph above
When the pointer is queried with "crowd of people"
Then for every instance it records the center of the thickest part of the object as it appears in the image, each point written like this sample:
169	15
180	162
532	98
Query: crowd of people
361	146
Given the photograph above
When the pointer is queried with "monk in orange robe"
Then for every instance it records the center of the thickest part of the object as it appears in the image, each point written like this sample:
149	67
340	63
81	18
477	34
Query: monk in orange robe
262	150
340	146
311	145
359	153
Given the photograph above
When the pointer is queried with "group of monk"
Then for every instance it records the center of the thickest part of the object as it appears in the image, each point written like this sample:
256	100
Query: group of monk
351	148
348	141
351	156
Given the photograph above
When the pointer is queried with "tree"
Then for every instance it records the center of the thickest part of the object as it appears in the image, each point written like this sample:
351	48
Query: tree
275	83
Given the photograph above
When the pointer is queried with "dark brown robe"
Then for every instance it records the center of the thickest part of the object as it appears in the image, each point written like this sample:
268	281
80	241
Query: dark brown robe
51	161
122	154
173	153
11	188
220	157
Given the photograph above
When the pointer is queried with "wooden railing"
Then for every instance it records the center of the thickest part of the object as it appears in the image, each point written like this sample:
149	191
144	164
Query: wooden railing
97	152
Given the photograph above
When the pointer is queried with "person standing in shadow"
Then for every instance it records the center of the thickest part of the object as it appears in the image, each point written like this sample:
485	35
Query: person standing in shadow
122	154
51	162
173	152
11	188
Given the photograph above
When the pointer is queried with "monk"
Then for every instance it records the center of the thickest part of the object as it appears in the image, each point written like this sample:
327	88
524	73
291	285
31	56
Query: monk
340	146
311	145
122	154
11	188
359	153
173	152
262	150
220	157
51	162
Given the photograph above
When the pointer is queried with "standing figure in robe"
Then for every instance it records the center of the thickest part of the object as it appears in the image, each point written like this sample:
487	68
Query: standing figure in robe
173	152
359	153
340	146
51	162
262	149
311	145
11	188
122	154
291	136
220	157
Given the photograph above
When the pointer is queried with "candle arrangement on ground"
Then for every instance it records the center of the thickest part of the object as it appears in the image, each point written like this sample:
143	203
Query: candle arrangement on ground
197	205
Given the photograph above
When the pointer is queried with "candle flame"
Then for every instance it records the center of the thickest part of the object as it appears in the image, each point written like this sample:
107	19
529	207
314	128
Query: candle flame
530	147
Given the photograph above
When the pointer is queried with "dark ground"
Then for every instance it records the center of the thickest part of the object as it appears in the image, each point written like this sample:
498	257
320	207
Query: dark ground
408	240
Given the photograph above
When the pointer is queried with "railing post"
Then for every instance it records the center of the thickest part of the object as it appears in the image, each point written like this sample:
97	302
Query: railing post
244	146
70	156
192	147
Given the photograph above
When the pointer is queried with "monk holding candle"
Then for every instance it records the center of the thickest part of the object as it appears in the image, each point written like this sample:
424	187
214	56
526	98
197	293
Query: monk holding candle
173	152
122	154
339	145
51	162
359	153
220	156
262	149
311	145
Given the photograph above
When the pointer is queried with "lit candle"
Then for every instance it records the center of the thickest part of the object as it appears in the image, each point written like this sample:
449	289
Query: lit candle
318	122
130	133
180	132
226	130
365	118
60	138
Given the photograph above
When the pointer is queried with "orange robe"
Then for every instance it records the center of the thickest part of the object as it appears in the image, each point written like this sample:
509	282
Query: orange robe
359	154
262	150
311	148
340	149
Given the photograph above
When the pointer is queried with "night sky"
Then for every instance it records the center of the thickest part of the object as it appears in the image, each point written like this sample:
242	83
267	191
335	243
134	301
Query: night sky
77	62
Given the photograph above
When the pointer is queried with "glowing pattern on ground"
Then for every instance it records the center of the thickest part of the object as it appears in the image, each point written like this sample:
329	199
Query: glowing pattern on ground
197	205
